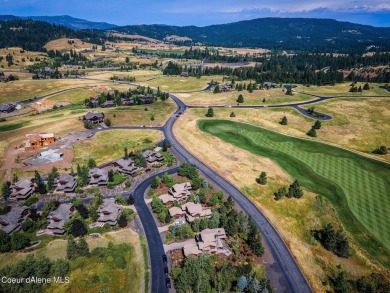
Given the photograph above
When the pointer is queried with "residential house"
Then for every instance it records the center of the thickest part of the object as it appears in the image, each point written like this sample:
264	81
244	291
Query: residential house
127	102
195	211
59	217
225	88
7	108
109	104
98	177
184	74
37	141
65	183
22	189
269	85
152	156
176	212
95	118
148	99
167	199
208	241
12	220
126	166
109	212
180	191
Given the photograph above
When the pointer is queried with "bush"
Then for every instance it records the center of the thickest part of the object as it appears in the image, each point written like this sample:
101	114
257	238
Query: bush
382	150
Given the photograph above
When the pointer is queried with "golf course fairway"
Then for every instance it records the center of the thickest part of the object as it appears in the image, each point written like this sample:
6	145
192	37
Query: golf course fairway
357	186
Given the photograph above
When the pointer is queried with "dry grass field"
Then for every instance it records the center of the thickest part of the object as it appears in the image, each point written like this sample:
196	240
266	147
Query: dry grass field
342	89
182	84
63	45
25	89
21	59
271	96
140	75
82	272
109	145
293	218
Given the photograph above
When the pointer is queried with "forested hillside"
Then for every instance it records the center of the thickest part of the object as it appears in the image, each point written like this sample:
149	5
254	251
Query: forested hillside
301	34
33	35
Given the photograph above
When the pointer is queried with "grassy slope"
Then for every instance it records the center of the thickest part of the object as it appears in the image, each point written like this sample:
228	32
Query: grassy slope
103	150
345	178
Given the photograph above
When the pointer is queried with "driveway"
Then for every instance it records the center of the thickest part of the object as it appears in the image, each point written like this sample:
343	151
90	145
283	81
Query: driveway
178	245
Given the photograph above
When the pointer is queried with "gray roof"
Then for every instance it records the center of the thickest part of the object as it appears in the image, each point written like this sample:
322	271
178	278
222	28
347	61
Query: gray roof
90	115
12	220
60	216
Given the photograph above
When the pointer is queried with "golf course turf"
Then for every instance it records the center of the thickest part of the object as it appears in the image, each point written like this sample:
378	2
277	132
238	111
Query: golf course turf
357	186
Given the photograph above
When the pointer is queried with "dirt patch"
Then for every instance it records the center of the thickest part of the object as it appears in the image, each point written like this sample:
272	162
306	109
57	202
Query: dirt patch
45	104
101	88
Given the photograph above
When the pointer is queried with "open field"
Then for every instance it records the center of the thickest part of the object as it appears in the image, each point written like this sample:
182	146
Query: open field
292	218
82	269
139	75
103	150
342	89
351	182
182	84
26	89
63	45
21	59
271	96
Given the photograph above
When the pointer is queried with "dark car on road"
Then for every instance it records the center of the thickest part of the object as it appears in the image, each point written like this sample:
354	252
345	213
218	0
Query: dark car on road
168	282
164	257
166	271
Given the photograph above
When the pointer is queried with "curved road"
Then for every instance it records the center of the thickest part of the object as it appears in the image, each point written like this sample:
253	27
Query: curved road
292	276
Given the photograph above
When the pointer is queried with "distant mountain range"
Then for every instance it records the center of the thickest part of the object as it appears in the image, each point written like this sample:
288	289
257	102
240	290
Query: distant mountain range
307	34
65	20
299	34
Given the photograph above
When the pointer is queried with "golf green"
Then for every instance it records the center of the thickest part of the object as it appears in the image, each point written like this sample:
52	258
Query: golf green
358	187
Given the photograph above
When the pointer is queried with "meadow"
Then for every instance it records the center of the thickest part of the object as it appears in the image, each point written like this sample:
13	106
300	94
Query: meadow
358	187
109	145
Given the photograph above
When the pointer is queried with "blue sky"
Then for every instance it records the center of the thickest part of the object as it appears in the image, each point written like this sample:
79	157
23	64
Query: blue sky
201	12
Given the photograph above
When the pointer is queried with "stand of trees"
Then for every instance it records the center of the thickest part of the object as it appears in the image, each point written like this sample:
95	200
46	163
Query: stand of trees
334	241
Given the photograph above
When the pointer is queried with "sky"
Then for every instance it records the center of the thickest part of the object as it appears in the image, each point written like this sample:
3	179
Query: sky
201	12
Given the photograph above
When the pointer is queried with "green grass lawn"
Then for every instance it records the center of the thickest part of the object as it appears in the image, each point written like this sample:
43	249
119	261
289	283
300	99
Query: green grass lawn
358	187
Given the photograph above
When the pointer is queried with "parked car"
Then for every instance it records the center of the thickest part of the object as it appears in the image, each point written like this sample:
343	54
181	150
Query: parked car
168	283
164	257
166	271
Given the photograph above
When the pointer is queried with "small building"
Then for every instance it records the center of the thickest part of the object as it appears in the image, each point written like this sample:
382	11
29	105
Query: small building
184	74
7	108
148	99
152	156
22	189
37	141
65	183
269	85
167	199
126	166
109	104
176	212
95	118
98	177
12	220
208	241
59	217
195	211
127	102
109	212
181	191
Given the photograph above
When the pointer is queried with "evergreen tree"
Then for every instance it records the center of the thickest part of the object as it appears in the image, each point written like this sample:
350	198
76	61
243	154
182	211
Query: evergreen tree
122	221
217	90
284	121
295	190
289	91
165	146
280	193
312	132
15	178
156	182
232	114
366	86
6	189
78	228
240	99
71	249
82	247
210	112
382	150
126	153
91	163
110	175
262	178
317	125
40	185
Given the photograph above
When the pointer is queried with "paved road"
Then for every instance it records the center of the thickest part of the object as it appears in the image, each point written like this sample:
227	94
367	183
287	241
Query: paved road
291	277
155	244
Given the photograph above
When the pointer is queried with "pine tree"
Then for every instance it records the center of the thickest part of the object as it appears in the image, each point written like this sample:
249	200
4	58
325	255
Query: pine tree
217	90
295	190
240	99
126	153
262	178
284	121
122	221
82	247
317	125
280	193
232	114
6	189
210	112
15	178
366	86
312	132
40	185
